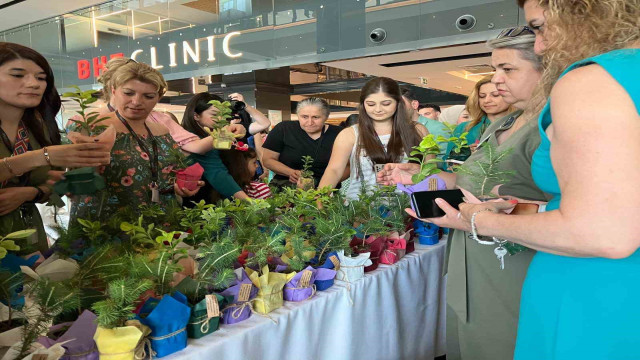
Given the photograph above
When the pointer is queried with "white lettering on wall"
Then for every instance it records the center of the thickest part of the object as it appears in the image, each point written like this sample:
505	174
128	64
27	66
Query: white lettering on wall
172	55
154	59
210	49
135	54
187	50
225	45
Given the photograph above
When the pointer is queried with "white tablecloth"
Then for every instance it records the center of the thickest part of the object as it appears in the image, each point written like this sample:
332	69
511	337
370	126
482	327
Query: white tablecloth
398	313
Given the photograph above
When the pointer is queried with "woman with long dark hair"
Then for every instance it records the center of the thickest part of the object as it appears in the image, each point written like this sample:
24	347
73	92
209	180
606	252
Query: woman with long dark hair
384	134
30	143
218	182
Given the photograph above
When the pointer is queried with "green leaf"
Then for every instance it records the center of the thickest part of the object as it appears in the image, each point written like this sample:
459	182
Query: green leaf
22	234
9	245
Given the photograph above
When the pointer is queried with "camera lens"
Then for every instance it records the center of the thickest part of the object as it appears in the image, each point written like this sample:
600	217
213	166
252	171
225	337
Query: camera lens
237	105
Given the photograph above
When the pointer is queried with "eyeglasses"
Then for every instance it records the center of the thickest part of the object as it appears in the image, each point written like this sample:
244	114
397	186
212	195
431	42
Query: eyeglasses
515	32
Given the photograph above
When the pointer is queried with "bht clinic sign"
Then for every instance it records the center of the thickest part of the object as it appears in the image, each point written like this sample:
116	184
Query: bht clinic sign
184	53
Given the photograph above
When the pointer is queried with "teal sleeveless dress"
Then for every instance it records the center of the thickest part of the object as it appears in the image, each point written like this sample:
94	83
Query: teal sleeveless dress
581	308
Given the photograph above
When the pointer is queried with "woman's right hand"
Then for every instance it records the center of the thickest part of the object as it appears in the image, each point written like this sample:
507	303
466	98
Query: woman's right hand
294	176
393	174
79	155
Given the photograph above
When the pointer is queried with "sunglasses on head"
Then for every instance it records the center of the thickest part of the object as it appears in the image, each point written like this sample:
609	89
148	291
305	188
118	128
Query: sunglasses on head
515	32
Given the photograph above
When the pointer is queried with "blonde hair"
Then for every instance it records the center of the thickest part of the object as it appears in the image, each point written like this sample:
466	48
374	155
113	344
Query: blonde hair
579	29
473	106
122	70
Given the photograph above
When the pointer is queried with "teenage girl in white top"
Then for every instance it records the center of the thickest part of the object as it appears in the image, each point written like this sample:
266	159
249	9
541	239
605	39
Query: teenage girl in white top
384	134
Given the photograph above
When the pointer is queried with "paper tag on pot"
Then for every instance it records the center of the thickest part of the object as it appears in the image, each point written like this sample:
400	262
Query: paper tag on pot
335	261
213	309
304	279
244	293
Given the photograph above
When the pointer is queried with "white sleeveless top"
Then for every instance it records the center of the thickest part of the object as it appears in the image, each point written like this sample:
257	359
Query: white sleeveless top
366	166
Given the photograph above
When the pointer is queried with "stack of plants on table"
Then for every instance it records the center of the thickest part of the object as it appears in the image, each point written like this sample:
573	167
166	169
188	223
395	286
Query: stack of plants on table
141	284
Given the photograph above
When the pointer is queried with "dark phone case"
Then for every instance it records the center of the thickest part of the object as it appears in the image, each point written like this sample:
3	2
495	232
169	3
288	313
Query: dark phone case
425	205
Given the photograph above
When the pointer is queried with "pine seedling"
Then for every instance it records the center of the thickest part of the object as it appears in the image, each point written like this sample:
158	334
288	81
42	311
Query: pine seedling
49	300
119	305
158	267
485	173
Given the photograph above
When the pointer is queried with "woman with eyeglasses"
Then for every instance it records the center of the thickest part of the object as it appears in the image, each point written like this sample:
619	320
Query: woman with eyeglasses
30	144
482	299
580	297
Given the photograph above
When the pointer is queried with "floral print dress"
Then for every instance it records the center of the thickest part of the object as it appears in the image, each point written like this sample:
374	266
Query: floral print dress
127	179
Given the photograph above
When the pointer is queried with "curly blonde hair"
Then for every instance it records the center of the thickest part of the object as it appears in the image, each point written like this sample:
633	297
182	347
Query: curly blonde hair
578	29
122	70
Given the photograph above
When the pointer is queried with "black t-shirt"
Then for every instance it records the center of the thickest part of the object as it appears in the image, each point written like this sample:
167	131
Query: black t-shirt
292	143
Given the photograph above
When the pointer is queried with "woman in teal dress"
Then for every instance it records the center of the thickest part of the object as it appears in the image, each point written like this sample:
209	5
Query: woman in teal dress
580	297
140	169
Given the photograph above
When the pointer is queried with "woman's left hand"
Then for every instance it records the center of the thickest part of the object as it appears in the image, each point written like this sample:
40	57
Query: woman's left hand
11	198
452	218
236	97
184	192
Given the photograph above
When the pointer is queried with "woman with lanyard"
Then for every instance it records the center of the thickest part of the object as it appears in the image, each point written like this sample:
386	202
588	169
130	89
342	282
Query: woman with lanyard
484	105
139	170
30	143
187	141
479	291
289	141
384	134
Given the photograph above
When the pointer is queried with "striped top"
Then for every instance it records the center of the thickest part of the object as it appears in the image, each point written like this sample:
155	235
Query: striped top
258	190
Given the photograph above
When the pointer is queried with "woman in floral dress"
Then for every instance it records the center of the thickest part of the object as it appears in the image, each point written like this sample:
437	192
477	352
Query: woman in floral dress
140	170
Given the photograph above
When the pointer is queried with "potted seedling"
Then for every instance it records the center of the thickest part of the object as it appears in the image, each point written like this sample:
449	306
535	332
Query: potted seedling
117	337
188	172
215	272
306	175
223	139
86	181
269	283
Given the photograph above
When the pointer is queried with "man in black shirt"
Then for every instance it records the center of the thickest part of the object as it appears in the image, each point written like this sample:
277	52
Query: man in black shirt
289	141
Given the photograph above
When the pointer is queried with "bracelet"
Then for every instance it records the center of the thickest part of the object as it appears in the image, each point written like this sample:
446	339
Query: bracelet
474	229
46	155
39	196
5	161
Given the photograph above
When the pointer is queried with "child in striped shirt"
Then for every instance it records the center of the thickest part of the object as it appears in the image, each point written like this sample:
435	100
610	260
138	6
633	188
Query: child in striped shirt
242	163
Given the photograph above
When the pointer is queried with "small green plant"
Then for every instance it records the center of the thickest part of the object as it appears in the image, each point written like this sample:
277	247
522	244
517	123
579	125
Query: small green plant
223	115
90	123
119	305
460	144
307	163
49	299
485	173
179	159
7	244
427	148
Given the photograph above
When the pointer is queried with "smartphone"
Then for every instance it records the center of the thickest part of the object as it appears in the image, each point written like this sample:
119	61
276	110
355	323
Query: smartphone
425	205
